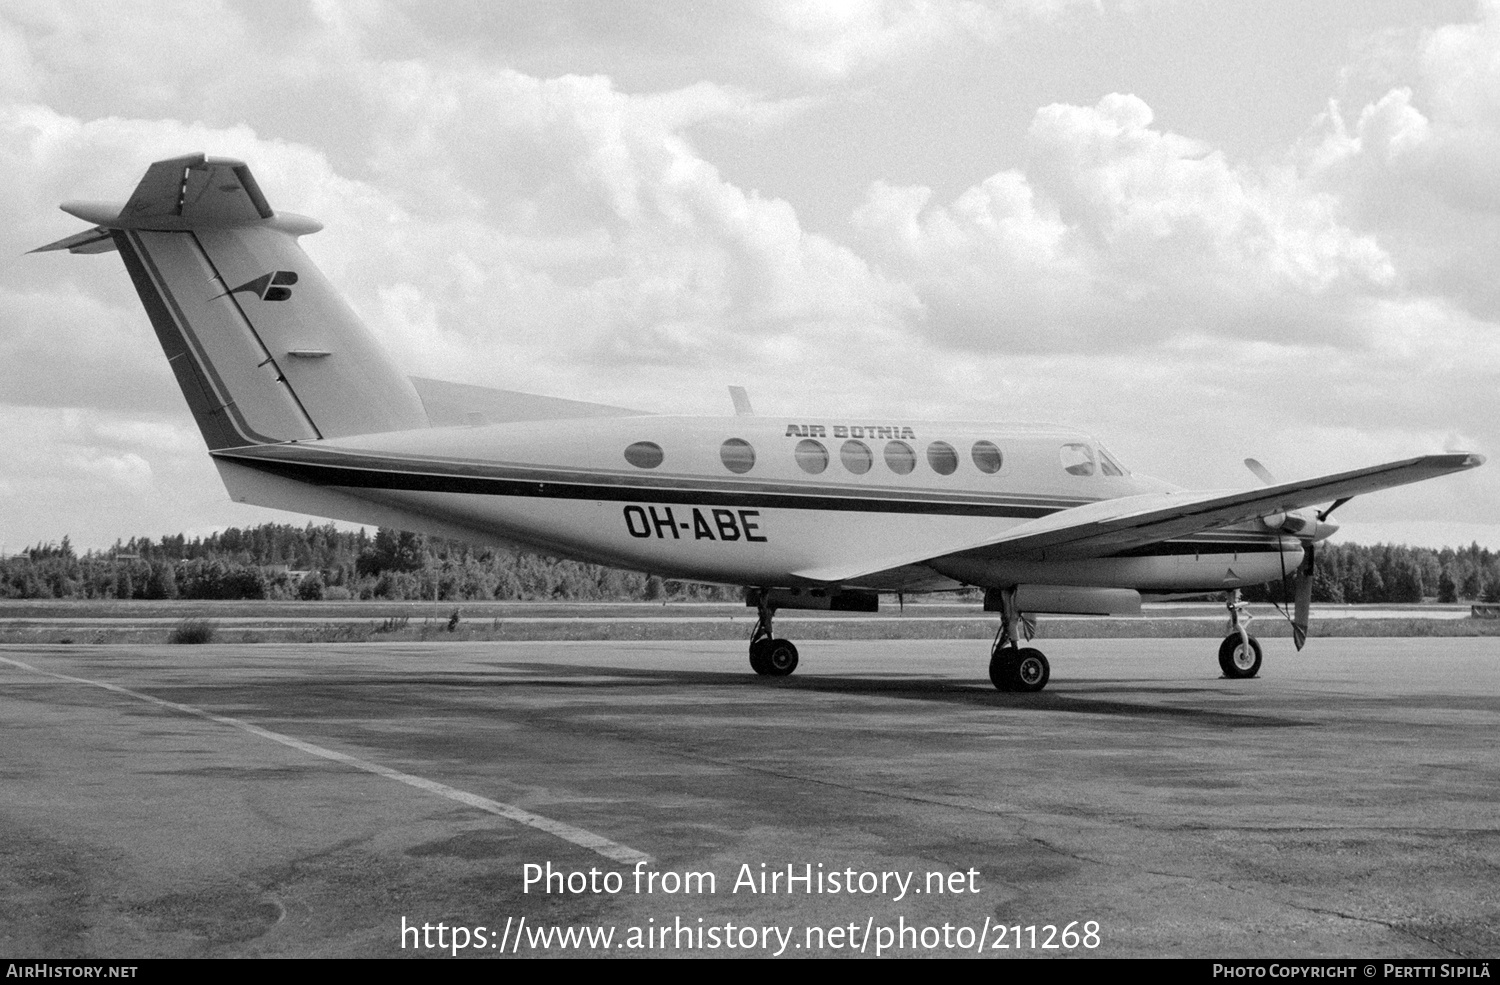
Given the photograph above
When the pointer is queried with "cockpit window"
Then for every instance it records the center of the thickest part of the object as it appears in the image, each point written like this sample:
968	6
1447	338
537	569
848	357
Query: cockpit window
1108	465
1077	459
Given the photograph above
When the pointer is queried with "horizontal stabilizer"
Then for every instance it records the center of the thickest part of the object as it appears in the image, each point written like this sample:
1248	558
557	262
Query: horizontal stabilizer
96	240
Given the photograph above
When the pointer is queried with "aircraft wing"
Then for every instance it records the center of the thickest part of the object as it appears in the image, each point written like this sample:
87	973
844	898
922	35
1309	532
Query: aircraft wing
1112	525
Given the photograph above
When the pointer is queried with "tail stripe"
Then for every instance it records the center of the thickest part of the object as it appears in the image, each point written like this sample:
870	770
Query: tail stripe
249	326
219	429
219	419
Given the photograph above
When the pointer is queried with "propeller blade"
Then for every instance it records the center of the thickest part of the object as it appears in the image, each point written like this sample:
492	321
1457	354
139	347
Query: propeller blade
1303	611
1261	472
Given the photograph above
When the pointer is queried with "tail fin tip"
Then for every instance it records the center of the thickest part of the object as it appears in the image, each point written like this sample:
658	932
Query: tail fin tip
190	192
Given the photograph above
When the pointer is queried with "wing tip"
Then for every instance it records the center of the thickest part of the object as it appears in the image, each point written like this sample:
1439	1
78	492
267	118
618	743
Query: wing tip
1459	460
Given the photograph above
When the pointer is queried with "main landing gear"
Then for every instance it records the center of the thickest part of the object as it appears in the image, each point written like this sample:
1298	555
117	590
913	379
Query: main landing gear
1012	666
770	657
1239	654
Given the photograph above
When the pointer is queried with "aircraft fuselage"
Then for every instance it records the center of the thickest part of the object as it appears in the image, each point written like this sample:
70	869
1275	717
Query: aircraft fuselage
753	500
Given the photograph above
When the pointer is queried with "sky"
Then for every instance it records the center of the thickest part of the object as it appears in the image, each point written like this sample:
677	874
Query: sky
1202	230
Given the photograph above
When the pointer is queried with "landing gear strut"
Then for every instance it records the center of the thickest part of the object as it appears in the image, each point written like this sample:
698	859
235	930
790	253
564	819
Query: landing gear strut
1013	667
1239	654
770	657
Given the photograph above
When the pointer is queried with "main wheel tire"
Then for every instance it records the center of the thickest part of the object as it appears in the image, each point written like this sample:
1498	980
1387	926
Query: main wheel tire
1003	670
1236	660
779	658
1031	671
758	657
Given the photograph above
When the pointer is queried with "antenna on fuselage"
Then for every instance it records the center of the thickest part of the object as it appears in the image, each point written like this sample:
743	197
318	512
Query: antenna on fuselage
741	400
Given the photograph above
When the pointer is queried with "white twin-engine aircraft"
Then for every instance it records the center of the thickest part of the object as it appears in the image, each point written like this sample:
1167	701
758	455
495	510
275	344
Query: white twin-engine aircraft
303	411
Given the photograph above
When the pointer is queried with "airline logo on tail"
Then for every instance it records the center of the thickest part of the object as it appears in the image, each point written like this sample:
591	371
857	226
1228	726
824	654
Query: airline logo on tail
275	286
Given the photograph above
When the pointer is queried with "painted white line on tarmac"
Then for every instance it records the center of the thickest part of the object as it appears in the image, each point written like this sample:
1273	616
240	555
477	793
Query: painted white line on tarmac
567	832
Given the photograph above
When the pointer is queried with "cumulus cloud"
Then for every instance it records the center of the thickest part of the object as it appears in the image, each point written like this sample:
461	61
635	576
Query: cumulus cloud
843	38
99	475
1417	164
1118	234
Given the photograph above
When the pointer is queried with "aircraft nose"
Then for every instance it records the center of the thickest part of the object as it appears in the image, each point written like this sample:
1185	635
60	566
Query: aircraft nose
1324	529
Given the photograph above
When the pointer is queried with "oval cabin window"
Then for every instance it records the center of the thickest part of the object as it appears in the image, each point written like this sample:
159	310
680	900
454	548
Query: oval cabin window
987	457
811	456
737	456
644	454
856	456
899	457
942	458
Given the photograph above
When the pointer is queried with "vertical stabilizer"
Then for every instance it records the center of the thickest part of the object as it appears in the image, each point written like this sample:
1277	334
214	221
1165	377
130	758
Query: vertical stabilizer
263	347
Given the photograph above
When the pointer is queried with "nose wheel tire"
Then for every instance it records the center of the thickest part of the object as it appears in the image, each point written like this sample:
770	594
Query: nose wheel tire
773	658
1236	659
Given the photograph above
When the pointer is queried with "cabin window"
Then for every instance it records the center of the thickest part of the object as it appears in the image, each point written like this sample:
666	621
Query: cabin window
987	457
899	457
737	455
644	454
1077	459
942	458
812	457
856	457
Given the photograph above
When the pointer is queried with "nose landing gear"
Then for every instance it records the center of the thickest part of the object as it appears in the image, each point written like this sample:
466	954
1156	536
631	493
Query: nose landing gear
1239	654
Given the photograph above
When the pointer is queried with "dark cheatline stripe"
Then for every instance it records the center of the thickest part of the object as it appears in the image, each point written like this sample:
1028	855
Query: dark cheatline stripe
292	453
396	479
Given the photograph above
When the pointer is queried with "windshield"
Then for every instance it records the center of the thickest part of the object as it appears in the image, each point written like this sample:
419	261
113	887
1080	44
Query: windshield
1110	465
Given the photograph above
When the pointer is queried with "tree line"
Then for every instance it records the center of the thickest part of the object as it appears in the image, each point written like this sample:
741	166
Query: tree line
282	561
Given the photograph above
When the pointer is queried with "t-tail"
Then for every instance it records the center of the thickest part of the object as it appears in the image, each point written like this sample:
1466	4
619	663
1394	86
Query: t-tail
263	347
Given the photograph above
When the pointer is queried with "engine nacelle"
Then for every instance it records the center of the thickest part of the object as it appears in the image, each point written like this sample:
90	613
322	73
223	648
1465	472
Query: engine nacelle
1300	523
1070	600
